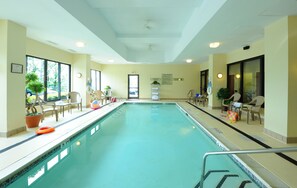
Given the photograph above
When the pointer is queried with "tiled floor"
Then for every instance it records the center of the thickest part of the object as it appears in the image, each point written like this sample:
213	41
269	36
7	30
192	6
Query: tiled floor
279	167
285	171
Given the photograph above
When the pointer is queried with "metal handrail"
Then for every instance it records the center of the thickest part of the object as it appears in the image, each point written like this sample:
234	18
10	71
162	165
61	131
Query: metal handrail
254	151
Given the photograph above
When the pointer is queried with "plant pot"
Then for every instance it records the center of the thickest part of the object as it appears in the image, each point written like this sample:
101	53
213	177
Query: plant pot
33	121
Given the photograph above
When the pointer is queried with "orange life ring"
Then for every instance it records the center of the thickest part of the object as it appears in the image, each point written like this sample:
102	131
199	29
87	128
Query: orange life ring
45	130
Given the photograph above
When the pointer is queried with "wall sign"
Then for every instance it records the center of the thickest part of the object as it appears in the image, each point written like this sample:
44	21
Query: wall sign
167	79
16	68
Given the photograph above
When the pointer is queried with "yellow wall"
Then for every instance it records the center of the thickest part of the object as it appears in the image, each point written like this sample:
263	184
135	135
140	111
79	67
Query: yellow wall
96	66
117	77
204	66
217	64
256	49
12	105
292	51
38	49
276	77
81	64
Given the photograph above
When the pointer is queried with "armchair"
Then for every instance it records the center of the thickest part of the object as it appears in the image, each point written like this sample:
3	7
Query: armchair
191	95
75	98
100	95
254	107
51	109
226	103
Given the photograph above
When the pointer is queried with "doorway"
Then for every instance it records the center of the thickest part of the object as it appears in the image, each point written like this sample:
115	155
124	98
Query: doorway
203	81
133	86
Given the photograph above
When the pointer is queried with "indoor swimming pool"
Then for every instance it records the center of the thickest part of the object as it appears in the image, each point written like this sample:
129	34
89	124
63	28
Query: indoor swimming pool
137	145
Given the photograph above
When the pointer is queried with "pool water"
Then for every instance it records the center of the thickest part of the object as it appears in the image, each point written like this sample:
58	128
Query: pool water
136	146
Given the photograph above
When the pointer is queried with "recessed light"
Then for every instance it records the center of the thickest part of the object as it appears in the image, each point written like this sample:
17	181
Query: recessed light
110	60
80	44
189	60
214	44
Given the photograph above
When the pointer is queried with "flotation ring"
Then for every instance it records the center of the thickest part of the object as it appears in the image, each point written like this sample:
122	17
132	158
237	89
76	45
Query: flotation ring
45	130
209	88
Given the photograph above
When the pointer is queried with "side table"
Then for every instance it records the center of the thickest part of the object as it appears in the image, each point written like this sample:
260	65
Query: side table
236	107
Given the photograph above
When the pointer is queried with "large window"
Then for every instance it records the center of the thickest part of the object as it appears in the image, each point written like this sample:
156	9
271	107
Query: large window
54	75
96	79
247	78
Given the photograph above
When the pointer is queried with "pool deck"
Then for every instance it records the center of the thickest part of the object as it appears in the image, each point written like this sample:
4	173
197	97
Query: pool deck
268	166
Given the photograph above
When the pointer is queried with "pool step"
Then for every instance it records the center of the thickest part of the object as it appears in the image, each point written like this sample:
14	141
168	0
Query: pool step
223	178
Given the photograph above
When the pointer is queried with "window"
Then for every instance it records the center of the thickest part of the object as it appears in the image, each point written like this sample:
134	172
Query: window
54	75
247	77
96	79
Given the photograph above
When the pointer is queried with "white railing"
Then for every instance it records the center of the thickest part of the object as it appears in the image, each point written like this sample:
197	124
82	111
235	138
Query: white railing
254	151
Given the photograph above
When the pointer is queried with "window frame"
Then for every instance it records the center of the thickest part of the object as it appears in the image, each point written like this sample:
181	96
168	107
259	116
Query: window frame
137	75
45	75
96	84
261	59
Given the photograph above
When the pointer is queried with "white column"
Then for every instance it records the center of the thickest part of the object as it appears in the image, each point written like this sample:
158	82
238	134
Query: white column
217	64
280	79
12	95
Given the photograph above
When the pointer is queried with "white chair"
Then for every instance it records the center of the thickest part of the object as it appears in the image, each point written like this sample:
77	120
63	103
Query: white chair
191	95
100	95
51	108
254	107
227	103
74	98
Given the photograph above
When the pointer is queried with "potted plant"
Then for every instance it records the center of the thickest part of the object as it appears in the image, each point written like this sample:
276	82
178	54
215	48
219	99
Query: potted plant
223	93
155	83
107	91
34	86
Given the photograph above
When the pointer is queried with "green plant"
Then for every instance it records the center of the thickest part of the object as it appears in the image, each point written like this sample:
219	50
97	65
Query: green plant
35	86
223	93
156	82
107	88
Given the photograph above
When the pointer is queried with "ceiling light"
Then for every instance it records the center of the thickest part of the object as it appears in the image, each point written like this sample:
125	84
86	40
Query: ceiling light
111	61
189	60
214	44
80	44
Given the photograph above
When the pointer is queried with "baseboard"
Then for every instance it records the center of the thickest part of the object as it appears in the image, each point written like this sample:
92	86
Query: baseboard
12	132
288	140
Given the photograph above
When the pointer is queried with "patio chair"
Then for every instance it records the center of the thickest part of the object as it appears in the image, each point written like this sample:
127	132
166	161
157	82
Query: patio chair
191	95
227	103
100	95
254	107
202	99
74	98
51	108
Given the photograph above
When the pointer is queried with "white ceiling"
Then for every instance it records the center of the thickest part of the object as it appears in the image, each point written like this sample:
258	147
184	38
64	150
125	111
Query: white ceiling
146	31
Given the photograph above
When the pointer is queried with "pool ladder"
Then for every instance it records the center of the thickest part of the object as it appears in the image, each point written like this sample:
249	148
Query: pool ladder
254	151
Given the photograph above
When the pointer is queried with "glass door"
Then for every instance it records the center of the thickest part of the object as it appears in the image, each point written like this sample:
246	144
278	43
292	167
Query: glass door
203	81
133	86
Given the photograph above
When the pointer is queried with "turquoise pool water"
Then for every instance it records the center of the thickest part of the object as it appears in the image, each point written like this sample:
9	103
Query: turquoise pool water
137	145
